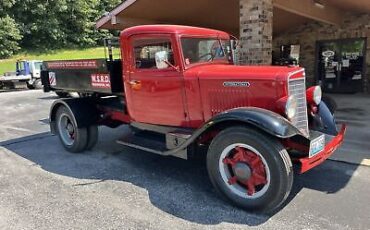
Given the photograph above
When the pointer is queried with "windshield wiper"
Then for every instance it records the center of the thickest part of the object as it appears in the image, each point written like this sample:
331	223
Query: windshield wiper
222	50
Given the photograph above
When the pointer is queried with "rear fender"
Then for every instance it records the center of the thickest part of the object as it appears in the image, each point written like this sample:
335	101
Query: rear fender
45	80
84	112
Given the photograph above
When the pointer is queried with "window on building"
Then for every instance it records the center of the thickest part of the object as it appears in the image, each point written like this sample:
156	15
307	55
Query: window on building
145	50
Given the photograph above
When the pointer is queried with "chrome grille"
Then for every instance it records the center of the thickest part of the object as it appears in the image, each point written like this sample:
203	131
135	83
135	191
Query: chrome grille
297	87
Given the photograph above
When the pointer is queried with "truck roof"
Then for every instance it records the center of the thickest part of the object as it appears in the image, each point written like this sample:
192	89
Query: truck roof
24	60
174	29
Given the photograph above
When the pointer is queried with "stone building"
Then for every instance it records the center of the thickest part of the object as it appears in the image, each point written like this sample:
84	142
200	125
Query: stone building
330	38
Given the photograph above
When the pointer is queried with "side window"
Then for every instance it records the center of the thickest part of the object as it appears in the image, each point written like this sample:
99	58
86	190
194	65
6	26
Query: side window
145	50
22	69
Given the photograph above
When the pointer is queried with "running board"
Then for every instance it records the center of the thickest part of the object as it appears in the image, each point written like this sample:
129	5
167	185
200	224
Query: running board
150	142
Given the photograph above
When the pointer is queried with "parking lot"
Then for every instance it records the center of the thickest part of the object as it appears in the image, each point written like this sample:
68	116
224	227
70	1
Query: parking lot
113	187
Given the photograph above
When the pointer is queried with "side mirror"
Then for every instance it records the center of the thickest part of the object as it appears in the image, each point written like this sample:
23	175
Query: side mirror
234	44
161	59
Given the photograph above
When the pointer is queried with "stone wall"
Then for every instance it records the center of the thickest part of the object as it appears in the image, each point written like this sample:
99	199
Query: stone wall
255	32
353	26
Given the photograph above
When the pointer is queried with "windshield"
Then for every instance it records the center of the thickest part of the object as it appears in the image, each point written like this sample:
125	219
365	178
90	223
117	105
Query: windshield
38	65
202	50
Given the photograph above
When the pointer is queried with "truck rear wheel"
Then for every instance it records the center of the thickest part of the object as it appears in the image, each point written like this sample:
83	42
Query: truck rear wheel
74	139
250	169
93	136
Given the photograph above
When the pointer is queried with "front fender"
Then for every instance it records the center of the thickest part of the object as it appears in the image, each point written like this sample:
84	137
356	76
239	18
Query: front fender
324	120
263	119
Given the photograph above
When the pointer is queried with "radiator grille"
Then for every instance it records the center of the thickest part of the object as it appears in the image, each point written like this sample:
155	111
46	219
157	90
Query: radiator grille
297	87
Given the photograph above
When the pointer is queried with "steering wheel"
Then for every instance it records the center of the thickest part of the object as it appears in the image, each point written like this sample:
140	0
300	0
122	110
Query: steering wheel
212	56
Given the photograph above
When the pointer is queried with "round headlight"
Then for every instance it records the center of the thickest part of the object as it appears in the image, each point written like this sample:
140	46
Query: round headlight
291	107
317	95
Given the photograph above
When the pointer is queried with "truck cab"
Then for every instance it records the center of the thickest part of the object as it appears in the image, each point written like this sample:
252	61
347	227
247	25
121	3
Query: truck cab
159	71
181	94
32	70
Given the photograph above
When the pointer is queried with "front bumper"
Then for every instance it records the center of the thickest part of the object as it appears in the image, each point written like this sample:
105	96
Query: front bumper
309	163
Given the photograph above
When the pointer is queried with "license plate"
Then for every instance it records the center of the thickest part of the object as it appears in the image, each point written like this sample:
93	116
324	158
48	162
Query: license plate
317	145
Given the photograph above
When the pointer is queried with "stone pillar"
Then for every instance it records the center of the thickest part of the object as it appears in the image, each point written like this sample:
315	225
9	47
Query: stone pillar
255	47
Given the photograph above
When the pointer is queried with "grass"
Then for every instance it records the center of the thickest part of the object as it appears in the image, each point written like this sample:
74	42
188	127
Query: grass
7	65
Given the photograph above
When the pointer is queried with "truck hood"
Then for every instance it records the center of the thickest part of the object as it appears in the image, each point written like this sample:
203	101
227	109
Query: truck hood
224	87
222	71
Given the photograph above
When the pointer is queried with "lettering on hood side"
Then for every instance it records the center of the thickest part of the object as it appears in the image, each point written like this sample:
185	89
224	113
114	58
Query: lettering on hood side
236	84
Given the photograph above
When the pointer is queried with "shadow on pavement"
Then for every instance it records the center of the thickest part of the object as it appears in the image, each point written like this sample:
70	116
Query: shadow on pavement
13	90
180	188
49	98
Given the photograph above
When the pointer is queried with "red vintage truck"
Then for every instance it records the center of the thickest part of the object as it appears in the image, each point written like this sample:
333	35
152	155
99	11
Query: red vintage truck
180	93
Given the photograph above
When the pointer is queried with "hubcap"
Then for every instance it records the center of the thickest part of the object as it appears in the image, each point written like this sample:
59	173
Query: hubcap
244	171
66	129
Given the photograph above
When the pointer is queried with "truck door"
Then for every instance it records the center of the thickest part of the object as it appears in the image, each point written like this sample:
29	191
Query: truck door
155	96
35	69
23	68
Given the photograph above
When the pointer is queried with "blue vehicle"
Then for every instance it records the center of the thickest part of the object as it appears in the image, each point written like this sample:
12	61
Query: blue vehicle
27	72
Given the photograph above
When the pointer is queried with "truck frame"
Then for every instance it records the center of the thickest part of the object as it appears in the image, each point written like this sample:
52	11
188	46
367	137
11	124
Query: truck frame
181	94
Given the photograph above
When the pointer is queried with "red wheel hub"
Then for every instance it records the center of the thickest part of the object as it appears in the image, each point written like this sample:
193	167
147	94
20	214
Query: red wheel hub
248	169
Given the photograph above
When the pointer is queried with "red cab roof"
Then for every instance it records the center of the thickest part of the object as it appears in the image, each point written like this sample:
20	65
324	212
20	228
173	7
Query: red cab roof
174	29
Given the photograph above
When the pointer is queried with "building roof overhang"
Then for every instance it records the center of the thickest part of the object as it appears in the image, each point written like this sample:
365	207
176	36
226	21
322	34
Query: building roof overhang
224	15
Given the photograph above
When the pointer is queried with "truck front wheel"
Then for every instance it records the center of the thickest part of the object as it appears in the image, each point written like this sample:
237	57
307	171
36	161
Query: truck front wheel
74	139
30	86
249	168
37	84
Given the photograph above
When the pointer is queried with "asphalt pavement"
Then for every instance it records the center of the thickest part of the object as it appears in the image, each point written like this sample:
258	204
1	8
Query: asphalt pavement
354	110
113	187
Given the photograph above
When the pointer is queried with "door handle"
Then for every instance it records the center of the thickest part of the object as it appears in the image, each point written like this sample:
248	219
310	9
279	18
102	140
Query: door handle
339	67
135	84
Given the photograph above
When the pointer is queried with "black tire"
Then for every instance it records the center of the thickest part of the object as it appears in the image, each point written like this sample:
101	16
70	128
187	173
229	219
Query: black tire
29	86
37	84
93	136
275	156
79	142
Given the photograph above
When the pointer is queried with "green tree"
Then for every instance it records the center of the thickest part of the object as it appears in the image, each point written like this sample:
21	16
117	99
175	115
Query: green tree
52	24
10	34
106	6
102	7
40	23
